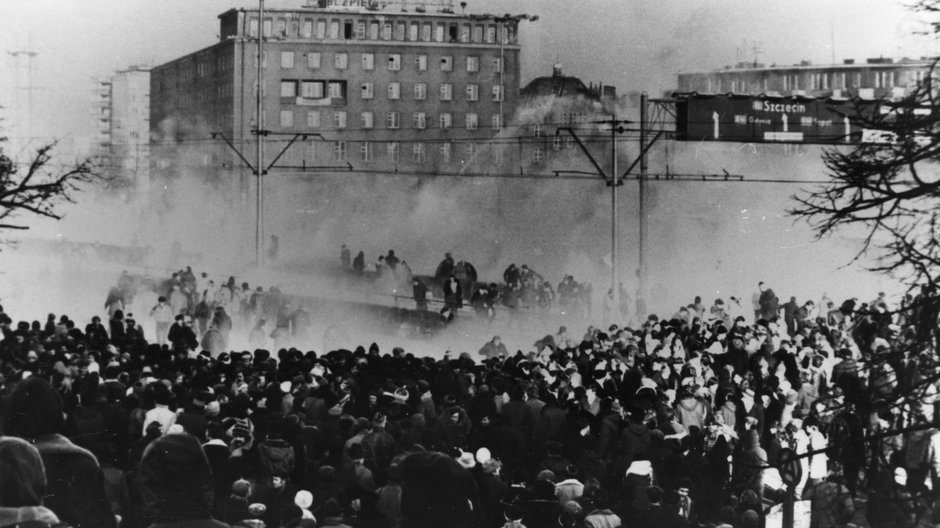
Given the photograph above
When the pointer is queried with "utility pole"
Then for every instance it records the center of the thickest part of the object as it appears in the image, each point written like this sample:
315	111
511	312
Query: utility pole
613	181
259	161
29	54
641	210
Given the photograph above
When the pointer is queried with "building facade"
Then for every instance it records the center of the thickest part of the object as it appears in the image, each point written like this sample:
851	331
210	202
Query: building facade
120	110
875	78
409	87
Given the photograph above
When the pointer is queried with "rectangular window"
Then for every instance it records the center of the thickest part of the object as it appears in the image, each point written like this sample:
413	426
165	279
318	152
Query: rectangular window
468	151
464	32
426	32
418	154
281	27
439	33
391	149
445	153
394	62
367	90
490	34
339	119
365	150
295	28
421	91
498	65
537	155
473	64
308	28
413	32
420	120
313	61
266	27
472	121
421	62
287	118
374	30
334	29
497	93
497	122
556	143
387	31
347	30
321	29
477	34
447	120
287	59
367	120
392	120
340	61
339	151
394	90
337	89
368	61
253	27
312	89
473	92
313	119
361	30
400	31
288	88
447	92
447	63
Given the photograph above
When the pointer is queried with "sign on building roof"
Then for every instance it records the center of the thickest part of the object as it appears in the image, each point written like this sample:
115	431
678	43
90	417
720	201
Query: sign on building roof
754	119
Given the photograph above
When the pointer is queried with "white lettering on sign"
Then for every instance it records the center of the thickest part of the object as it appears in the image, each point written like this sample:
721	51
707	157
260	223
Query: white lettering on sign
767	106
783	136
757	121
740	119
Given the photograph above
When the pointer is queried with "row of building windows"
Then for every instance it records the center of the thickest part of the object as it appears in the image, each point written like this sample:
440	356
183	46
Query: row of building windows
367	151
393	61
393	120
348	29
817	81
336	89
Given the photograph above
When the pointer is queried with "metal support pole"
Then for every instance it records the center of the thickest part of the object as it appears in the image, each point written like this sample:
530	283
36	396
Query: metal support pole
259	165
614	261
642	292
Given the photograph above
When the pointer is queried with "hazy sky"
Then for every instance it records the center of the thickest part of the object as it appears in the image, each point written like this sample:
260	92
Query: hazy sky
632	44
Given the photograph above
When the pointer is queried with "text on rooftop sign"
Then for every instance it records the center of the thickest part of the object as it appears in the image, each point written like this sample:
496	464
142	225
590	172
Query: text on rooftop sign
767	119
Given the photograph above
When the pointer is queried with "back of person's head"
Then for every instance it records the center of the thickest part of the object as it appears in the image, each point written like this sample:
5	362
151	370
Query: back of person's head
22	475
34	410
436	491
175	479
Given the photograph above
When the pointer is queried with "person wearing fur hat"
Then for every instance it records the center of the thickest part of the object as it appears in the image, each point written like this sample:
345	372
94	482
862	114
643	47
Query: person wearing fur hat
34	413
176	483
22	486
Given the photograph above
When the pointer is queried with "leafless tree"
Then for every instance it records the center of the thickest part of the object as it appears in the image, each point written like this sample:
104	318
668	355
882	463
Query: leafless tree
34	188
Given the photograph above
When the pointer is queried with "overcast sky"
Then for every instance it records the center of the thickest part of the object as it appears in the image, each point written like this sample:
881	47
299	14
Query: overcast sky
632	44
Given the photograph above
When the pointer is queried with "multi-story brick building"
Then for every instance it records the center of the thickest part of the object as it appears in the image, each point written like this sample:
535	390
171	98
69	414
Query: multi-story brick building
875	78
408	86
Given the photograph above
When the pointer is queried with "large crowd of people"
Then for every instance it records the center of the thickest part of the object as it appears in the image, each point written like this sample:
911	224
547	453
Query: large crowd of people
677	421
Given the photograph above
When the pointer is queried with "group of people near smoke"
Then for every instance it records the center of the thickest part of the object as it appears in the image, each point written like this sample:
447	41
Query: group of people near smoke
457	284
191	311
675	422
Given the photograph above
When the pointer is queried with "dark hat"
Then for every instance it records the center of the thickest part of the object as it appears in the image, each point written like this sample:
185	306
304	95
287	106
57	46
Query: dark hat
330	509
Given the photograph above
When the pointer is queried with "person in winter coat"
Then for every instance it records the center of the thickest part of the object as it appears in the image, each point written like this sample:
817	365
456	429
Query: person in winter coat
453	428
34	413
494	348
691	411
276	455
453	294
162	314
176	483
23	486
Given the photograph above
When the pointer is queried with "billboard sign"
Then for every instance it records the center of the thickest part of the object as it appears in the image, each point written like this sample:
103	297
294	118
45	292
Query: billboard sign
752	119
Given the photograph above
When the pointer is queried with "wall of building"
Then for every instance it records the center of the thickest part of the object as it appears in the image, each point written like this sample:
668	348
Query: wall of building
876	79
